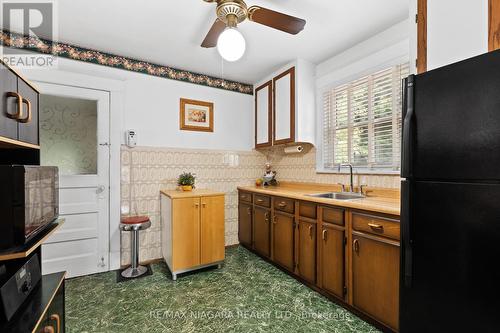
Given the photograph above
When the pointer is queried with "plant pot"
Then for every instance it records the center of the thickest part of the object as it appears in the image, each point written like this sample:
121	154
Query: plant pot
187	188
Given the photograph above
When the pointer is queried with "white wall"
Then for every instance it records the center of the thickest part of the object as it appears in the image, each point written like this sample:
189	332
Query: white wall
456	30
384	49
151	108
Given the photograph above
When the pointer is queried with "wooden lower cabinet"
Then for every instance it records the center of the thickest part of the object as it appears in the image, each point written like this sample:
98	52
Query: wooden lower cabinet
349	255
212	233
283	240
331	268
262	231
375	277
192	229
245	224
306	251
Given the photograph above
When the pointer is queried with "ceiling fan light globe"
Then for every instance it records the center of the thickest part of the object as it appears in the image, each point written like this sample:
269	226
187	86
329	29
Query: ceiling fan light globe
231	45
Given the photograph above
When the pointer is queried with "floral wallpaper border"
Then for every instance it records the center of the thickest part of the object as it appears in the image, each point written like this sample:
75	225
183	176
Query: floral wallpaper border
36	44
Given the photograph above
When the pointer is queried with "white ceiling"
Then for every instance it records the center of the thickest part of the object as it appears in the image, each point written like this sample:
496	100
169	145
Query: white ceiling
169	32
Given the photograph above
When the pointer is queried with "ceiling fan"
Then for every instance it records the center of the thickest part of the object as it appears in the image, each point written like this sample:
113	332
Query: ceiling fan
229	41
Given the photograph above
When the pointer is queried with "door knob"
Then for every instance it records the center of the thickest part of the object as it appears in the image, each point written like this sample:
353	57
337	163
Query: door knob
100	189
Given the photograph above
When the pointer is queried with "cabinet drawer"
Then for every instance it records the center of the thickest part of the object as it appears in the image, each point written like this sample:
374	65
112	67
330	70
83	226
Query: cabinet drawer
245	196
307	209
284	204
376	225
262	200
333	215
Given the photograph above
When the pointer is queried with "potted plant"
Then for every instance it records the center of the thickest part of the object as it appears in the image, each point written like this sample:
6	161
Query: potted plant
186	181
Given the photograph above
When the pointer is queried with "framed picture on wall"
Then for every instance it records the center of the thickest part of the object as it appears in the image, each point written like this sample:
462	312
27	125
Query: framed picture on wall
196	115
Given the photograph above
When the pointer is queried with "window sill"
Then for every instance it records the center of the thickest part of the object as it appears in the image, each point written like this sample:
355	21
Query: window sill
361	171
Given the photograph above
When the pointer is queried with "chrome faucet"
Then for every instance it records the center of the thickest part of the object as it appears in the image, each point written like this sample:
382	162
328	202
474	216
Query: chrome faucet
350	171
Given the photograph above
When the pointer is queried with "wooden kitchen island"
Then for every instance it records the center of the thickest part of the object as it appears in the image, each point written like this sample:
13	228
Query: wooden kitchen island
192	229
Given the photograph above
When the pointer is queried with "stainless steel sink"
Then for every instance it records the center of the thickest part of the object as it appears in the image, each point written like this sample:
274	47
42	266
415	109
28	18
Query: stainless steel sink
338	195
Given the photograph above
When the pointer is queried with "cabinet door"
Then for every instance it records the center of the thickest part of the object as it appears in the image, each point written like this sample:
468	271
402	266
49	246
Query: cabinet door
284	107
28	131
263	115
8	104
261	230
185	233
245	224
212	229
375	278
283	240
307	251
331	266
55	312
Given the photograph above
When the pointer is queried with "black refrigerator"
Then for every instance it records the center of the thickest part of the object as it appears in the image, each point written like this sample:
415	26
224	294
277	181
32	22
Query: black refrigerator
450	199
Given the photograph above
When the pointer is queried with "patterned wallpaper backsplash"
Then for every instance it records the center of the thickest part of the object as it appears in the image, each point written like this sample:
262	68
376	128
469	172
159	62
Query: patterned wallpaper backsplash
146	170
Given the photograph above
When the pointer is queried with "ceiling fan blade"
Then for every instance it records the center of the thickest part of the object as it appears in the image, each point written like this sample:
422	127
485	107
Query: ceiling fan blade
212	36
292	25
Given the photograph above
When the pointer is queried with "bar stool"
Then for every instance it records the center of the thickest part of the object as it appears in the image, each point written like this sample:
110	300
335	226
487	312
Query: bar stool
134	224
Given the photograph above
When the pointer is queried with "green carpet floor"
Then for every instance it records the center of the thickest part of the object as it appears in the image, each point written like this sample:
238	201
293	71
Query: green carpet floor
246	295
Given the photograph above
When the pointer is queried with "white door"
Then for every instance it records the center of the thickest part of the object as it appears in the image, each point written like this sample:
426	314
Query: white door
74	135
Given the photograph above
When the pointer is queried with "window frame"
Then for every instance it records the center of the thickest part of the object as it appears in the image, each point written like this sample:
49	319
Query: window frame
347	79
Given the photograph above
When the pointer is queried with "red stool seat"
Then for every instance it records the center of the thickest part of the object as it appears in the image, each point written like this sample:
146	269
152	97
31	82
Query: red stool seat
135	219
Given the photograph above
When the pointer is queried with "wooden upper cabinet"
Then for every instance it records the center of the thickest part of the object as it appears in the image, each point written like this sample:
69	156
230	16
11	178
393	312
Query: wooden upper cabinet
212	229
307	251
263	115
375	278
284	107
283	240
332	260
245	224
262	231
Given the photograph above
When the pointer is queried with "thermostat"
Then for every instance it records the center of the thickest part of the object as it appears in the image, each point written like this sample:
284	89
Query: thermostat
131	138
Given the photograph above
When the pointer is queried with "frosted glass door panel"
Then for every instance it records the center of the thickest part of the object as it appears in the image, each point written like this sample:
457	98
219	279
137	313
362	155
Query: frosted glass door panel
68	134
284	112
262	105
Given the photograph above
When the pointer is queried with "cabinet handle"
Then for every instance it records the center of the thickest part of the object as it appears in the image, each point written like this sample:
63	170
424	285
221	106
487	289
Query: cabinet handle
204	204
243	196
282	204
196	205
275	219
324	234
19	105
266	217
249	211
355	245
48	329
26	119
58	321
260	200
310	231
375	226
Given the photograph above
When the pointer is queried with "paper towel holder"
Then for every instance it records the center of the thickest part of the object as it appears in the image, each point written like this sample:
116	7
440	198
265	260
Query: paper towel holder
294	149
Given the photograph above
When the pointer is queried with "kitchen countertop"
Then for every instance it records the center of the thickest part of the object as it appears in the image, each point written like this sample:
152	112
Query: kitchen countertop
177	194
386	204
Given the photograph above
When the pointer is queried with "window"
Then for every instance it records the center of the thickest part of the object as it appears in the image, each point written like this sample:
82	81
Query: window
362	122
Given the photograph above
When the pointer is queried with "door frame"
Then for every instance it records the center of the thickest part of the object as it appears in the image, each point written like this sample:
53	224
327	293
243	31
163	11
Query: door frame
115	89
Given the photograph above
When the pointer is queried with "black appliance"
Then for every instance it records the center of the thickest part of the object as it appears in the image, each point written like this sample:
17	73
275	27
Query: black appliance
15	289
29	202
450	199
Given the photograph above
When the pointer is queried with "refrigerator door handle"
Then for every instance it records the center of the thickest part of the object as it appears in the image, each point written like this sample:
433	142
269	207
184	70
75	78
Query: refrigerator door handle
408	110
407	254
